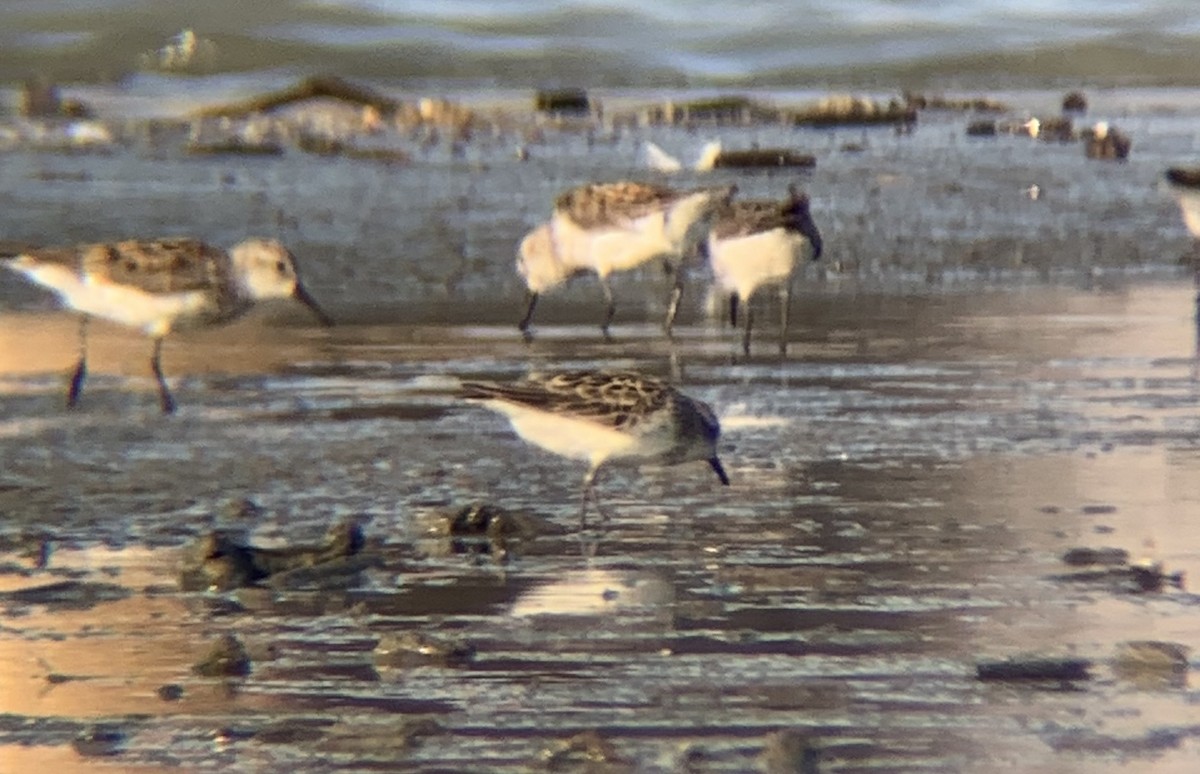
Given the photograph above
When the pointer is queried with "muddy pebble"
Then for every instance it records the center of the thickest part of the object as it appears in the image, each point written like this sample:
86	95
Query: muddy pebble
71	594
764	158
1127	579
342	573
1106	556
789	751
1151	664
484	529
410	649
491	521
170	692
100	740
562	101
1185	177
226	658
982	128
1034	668
938	102
1074	102
293	731
585	748
222	560
379	739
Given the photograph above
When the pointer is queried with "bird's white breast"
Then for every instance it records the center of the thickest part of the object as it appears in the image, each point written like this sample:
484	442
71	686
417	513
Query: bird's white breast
154	313
742	264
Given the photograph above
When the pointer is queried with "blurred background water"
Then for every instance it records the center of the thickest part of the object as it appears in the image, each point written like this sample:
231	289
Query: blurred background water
618	43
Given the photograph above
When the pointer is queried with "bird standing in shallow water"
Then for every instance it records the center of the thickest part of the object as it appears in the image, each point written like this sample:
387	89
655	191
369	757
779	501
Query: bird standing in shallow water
609	227
756	243
162	285
606	417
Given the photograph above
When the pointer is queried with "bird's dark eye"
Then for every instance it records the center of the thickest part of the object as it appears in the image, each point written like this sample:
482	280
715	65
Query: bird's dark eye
281	267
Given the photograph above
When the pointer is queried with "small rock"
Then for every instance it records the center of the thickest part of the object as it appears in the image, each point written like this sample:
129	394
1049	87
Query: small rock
562	101
1034	668
170	692
789	751
1151	664
410	649
491	521
1059	129
981	128
763	158
293	731
227	658
222	560
1104	556
370	739
69	595
1130	579
587	747
100	740
1074	102
1184	177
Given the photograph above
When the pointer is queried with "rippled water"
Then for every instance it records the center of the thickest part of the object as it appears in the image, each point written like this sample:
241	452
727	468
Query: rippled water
904	484
979	380
526	43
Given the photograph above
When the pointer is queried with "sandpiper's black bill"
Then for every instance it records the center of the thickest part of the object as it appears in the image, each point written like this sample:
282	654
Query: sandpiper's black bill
301	295
720	471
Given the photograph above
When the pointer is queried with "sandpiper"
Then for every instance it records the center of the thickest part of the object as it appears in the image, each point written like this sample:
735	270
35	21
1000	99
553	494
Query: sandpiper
608	227
162	285
1106	142
606	417
755	243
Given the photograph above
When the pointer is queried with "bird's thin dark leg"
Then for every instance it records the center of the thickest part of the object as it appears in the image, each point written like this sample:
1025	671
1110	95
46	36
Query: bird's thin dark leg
673	301
1196	285
733	309
785	315
591	495
164	394
80	374
531	299
589	491
610	307
749	324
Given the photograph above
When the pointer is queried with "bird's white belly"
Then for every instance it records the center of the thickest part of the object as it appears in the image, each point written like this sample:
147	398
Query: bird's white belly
566	436
154	313
742	264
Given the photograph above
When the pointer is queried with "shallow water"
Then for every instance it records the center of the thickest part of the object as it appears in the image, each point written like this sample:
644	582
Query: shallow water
904	484
977	382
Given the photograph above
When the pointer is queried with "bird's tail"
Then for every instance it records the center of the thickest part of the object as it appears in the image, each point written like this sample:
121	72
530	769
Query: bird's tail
10	249
479	390
660	160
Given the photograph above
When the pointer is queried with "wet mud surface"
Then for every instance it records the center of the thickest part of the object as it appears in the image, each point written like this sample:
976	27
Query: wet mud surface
979	457
917	487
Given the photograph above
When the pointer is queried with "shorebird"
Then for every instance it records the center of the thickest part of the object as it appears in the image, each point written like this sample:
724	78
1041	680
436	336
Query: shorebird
755	243
162	285
606	227
606	417
1106	142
